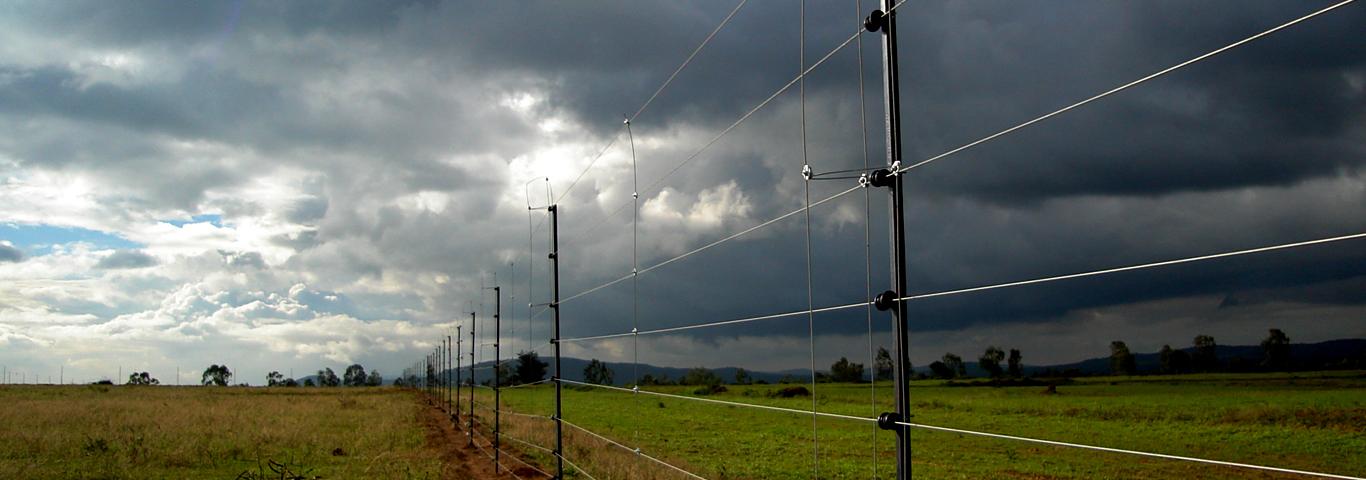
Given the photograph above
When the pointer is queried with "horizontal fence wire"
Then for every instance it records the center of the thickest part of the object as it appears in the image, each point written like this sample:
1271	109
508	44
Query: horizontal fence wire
723	402
712	244
652	98
1126	86
960	291
525	443
527	415
1129	452
788	86
1143	266
524	462
635	451
528	384
718	323
576	467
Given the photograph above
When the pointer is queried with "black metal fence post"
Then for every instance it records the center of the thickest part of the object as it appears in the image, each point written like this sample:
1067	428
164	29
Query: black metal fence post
555	304
885	21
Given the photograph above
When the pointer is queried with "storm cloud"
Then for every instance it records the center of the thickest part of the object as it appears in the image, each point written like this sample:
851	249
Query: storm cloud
368	164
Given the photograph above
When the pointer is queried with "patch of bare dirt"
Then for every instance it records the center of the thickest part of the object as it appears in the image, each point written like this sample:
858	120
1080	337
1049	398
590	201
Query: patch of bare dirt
460	460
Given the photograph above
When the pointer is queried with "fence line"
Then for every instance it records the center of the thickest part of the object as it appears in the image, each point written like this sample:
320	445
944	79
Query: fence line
1128	452
895	169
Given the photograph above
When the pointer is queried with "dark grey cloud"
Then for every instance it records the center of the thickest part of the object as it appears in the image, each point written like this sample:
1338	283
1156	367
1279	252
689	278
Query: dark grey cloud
10	254
380	102
122	259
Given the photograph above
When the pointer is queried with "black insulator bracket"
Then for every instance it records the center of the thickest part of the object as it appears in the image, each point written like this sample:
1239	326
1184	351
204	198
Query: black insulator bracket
885	301
876	21
887	421
882	177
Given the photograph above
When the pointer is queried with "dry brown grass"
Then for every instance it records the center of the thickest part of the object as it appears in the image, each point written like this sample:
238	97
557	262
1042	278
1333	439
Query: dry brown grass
210	432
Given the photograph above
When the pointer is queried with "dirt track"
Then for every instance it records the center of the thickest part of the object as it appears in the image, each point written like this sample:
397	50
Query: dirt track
462	461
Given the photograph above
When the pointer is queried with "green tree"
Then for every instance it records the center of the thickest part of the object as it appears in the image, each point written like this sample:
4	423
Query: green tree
374	379
597	373
955	364
1165	359
882	364
844	371
308	382
274	379
1277	349
142	378
700	376
530	368
1121	360
1206	357
354	376
742	377
940	369
327	378
1014	367
216	375
991	361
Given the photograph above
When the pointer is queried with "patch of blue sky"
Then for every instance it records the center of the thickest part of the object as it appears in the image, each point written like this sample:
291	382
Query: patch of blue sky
211	218
37	240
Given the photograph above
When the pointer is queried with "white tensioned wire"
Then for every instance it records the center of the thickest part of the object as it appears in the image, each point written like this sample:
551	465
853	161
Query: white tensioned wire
529	444
523	462
722	402
988	287
635	263
1126	86
633	450
1128	452
1135	267
971	432
806	199
742	119
653	96
713	244
521	385
576	467
867	241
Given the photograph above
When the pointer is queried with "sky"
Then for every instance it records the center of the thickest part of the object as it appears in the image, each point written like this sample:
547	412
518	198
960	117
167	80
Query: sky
296	185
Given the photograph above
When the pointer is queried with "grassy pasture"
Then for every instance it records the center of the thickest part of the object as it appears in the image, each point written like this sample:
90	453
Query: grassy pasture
1313	422
1305	421
103	432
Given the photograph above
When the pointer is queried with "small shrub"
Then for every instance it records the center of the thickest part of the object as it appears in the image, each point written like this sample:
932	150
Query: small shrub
710	389
790	392
95	446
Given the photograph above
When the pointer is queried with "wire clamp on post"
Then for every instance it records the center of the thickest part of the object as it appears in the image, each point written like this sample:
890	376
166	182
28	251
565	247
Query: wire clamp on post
883	177
885	301
888	421
806	172
876	21
635	389
863	180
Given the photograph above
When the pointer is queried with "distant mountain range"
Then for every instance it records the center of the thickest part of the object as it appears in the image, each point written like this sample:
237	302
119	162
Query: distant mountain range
1300	353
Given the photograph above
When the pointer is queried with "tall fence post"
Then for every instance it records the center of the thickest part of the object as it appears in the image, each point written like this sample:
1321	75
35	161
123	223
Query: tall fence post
458	340
450	408
473	382
497	369
555	304
885	21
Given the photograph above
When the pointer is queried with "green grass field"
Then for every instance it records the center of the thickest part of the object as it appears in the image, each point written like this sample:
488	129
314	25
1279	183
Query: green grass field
102	432
1313	422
